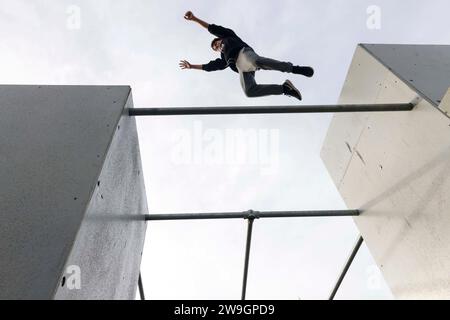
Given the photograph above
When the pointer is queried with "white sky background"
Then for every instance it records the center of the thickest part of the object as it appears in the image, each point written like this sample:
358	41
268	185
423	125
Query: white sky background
139	43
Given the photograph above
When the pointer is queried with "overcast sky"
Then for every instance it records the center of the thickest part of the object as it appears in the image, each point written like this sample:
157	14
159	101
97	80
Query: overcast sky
139	43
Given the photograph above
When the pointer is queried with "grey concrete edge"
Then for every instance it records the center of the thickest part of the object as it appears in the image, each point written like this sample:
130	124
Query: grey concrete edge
421	94
91	193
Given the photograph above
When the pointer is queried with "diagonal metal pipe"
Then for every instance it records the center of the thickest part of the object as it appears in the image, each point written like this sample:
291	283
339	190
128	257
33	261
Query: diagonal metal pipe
247	256
346	267
141	287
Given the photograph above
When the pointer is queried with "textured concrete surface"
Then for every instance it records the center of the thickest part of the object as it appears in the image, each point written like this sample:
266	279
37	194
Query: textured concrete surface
396	168
55	142
109	244
425	68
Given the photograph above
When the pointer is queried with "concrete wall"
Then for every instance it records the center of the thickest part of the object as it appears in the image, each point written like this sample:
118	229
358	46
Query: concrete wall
424	68
109	244
396	168
55	145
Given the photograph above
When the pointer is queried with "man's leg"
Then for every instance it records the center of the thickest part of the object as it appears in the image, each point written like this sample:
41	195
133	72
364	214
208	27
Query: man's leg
272	64
267	63
252	89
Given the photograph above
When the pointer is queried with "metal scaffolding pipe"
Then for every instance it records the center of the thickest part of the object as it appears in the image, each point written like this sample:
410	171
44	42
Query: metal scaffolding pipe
141	287
247	256
252	214
346	267
270	109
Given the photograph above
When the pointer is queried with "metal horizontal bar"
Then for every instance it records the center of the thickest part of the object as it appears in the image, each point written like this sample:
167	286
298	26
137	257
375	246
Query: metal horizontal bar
252	214
270	109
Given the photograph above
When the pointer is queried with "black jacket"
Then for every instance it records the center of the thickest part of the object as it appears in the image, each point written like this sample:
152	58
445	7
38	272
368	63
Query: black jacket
232	46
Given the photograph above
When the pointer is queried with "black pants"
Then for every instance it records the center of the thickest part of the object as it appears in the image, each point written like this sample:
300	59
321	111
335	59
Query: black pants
248	62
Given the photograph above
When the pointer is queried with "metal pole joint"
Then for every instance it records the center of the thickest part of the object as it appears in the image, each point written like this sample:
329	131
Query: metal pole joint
252	215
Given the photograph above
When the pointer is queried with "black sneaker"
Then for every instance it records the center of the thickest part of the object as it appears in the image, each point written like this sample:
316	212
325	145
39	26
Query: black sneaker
291	90
306	71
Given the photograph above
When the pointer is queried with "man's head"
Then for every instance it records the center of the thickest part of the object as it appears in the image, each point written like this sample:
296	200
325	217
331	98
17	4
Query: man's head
216	44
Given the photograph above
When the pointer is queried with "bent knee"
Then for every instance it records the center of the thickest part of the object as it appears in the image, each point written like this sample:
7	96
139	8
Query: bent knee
250	92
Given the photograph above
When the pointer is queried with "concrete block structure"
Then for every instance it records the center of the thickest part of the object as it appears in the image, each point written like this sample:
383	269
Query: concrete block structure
395	166
73	200
72	195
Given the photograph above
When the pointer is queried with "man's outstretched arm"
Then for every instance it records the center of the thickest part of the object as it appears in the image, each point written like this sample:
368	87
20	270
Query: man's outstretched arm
216	30
190	16
214	65
186	65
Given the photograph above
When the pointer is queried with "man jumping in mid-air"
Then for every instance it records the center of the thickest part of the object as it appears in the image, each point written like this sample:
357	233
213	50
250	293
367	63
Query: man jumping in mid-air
241	58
